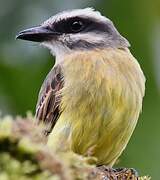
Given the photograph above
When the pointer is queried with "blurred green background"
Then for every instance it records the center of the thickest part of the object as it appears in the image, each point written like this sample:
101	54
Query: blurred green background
24	65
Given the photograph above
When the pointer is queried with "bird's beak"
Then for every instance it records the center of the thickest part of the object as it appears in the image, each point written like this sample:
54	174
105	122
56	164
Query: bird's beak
37	34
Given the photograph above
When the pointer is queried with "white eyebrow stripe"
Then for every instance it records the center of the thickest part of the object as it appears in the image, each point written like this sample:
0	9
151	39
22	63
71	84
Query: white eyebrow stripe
86	13
89	37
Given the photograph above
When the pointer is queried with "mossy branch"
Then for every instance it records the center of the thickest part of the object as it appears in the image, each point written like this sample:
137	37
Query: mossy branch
24	155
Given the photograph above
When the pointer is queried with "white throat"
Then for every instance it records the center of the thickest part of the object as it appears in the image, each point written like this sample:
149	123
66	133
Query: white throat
58	50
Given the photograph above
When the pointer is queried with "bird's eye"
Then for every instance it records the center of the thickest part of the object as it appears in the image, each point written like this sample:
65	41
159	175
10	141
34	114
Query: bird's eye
76	26
71	25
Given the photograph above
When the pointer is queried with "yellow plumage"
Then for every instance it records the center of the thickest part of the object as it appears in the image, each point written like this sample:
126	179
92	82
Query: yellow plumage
101	102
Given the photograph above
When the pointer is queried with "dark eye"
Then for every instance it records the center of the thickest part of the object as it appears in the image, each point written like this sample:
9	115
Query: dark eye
76	26
71	25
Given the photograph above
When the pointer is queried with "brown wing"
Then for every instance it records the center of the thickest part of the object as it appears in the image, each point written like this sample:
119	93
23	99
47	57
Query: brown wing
47	109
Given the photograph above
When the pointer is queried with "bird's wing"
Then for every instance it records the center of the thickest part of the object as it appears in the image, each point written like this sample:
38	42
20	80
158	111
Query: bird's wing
47	109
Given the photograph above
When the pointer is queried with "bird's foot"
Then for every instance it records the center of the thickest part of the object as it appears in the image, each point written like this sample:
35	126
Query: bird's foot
119	173
130	173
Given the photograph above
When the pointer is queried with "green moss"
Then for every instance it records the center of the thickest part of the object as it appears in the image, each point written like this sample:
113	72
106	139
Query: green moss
25	156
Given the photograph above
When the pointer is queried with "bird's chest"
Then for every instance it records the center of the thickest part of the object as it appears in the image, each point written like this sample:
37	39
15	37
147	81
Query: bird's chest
95	88
93	94
85	89
101	101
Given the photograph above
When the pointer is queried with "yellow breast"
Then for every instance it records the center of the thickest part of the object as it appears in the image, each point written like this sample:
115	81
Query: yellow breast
101	101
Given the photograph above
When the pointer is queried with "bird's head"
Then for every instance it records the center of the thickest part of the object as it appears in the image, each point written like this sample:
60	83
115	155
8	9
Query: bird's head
79	29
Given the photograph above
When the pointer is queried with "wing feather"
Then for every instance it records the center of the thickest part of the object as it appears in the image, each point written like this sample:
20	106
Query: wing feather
48	105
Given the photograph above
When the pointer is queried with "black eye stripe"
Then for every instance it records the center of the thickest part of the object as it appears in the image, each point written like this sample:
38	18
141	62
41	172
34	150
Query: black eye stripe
69	26
87	25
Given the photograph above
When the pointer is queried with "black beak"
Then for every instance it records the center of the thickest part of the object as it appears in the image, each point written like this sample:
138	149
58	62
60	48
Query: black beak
37	34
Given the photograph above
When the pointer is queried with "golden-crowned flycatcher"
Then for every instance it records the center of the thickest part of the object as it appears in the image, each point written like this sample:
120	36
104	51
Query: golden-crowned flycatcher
91	99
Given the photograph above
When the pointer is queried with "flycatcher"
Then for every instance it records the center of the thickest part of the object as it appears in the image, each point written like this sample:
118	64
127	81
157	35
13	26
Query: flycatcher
91	99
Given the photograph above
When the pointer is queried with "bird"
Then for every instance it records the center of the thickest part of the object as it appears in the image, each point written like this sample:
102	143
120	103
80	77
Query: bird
91	99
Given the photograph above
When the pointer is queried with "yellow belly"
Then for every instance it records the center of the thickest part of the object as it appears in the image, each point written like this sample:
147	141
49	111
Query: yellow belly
101	102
